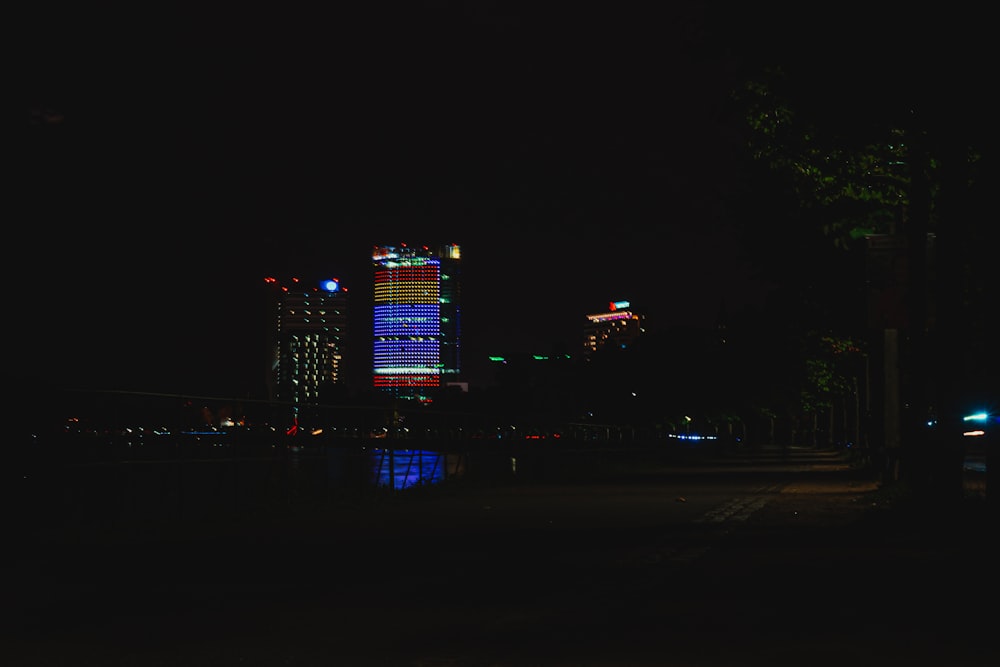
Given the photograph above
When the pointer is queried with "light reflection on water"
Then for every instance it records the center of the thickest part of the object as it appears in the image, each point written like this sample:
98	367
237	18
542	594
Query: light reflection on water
403	468
75	479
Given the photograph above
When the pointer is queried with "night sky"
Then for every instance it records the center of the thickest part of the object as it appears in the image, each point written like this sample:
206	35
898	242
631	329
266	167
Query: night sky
578	154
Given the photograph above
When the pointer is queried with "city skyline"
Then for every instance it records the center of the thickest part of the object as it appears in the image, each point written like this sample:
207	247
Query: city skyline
576	156
158	204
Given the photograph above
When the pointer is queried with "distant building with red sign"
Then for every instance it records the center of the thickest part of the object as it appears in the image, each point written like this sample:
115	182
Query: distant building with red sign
619	326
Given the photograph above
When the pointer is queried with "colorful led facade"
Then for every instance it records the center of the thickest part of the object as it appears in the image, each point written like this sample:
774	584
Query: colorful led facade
619	326
308	340
416	319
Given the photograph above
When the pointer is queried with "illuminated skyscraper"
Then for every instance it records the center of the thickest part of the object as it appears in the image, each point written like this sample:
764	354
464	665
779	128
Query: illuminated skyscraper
307	342
416	319
620	326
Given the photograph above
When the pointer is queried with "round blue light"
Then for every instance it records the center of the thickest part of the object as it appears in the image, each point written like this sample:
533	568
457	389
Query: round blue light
330	285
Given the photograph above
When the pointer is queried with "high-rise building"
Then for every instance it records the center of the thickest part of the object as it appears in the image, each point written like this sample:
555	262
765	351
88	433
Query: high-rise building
416	319
619	326
307	341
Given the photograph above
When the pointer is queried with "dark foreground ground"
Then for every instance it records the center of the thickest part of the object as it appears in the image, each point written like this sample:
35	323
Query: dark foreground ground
835	569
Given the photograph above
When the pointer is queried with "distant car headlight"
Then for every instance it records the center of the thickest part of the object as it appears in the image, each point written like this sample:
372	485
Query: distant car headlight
976	419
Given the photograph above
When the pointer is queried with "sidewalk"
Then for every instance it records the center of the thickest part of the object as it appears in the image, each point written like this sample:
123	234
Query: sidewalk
831	570
838	569
840	493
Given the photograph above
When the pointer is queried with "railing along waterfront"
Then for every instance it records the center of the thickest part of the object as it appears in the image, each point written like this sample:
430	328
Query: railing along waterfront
142	475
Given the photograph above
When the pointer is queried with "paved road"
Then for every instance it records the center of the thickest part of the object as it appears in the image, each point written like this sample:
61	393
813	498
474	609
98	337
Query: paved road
798	572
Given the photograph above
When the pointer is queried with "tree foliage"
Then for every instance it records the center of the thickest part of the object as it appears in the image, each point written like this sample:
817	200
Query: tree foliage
854	189
903	150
